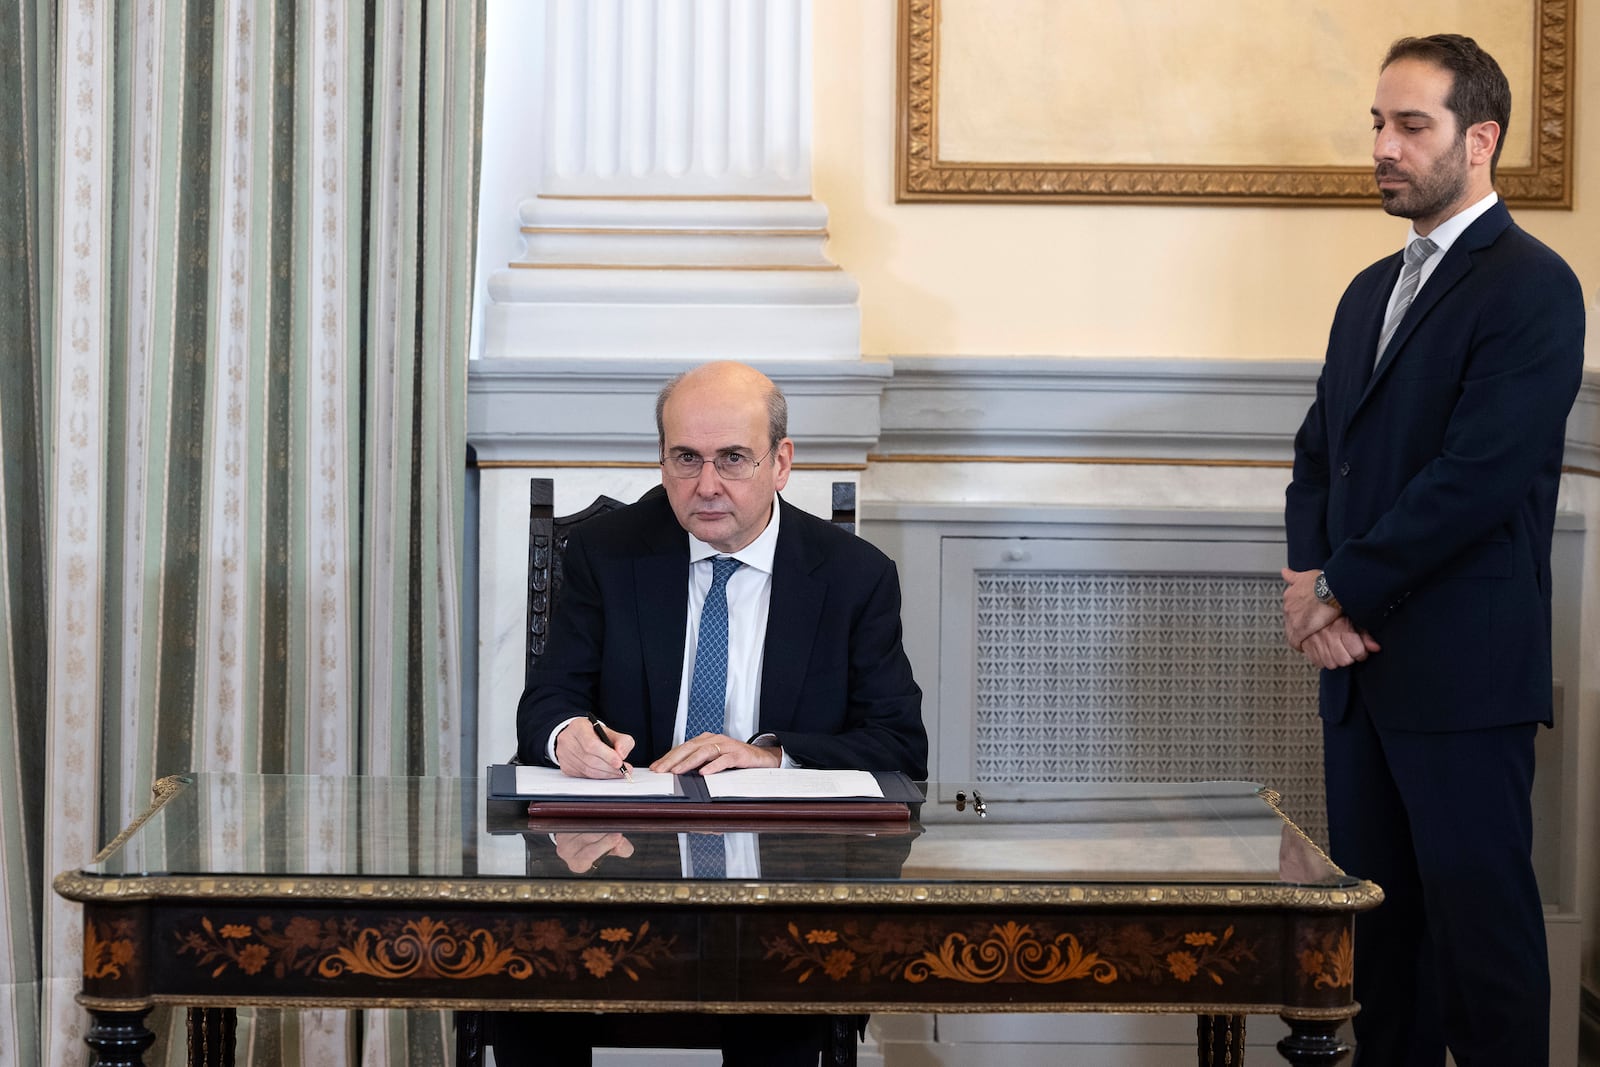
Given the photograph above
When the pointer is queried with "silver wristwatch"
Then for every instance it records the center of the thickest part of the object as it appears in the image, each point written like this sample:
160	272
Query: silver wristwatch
1320	589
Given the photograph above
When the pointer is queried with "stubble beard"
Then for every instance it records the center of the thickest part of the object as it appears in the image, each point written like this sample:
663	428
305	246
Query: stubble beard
1431	192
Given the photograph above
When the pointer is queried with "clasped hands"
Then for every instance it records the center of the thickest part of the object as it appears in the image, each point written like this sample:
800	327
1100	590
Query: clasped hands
1322	633
581	754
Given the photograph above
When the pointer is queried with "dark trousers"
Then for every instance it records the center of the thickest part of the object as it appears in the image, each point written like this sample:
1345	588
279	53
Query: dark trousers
566	1039
1455	955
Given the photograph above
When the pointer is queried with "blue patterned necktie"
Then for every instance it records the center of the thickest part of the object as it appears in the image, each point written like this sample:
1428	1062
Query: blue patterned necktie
1416	254
708	686
707	859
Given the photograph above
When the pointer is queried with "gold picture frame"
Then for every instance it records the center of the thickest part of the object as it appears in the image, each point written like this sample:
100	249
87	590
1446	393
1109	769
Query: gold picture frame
1542	177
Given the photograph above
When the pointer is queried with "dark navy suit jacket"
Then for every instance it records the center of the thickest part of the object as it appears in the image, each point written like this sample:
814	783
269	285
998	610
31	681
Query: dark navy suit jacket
836	687
1426	488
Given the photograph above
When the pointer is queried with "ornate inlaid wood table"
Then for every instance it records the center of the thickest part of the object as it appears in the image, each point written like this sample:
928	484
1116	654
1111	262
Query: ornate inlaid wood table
278	890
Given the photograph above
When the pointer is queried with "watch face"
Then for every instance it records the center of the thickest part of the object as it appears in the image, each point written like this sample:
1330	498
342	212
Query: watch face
1320	588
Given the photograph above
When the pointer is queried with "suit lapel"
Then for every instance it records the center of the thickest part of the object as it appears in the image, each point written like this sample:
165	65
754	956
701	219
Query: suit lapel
796	609
661	583
1359	372
1455	265
1450	270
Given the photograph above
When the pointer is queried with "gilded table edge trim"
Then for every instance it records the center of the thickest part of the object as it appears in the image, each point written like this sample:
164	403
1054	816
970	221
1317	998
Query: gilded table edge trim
474	892
721	1007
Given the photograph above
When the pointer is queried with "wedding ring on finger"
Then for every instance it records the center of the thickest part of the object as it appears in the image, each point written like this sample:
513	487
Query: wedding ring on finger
718	748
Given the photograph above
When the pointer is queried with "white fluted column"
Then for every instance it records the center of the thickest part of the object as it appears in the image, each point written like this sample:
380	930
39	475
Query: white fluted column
678	98
674	216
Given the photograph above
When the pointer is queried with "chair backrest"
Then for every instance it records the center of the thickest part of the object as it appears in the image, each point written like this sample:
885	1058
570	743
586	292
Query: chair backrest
844	506
547	545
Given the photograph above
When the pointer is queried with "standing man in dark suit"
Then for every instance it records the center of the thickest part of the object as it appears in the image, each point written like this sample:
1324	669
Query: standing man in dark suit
1419	525
711	625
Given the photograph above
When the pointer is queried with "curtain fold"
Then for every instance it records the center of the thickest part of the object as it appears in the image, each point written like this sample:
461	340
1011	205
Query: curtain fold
235	275
26	243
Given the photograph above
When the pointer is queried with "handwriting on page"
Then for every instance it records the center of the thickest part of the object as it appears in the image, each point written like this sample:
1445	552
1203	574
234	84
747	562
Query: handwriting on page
550	782
790	783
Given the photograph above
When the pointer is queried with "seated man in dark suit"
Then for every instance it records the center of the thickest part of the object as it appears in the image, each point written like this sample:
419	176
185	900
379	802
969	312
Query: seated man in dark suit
712	625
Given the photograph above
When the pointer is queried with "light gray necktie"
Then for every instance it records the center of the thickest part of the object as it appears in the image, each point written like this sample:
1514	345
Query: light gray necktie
1417	252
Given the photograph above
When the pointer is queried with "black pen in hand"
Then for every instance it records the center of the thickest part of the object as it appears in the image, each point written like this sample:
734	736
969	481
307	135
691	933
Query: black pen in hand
605	739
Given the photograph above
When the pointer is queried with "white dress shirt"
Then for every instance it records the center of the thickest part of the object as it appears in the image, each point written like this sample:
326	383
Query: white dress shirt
749	599
749	594
1444	235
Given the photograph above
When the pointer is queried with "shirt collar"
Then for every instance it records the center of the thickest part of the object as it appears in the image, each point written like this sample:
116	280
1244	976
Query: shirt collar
1444	235
757	554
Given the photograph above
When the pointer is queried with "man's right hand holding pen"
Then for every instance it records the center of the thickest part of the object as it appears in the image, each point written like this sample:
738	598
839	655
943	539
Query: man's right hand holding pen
593	751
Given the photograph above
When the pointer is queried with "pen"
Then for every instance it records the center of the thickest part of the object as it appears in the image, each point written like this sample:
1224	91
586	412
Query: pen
605	739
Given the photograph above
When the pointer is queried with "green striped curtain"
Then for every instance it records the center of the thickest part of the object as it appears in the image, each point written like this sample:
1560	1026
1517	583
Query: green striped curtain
26	240
235	288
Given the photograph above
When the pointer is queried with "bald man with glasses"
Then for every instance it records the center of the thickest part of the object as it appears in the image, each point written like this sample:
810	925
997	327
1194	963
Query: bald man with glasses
798	662
708	626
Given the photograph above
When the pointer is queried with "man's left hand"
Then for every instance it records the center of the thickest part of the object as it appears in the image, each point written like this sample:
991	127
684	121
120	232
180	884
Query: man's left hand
1339	644
1303	613
710	753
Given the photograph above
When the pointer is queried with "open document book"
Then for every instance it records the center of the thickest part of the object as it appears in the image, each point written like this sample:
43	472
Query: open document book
755	793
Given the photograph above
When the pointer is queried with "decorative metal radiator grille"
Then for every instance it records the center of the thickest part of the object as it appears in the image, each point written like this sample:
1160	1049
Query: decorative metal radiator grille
1134	677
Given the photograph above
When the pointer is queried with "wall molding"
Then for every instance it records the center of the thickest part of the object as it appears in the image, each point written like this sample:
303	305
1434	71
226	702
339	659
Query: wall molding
943	409
601	412
1091	407
1127	411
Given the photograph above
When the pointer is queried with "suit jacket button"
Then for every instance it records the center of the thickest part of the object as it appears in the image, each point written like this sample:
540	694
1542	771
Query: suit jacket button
1344	470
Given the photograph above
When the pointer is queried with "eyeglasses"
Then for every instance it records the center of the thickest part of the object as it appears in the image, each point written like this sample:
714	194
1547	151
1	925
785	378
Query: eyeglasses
736	465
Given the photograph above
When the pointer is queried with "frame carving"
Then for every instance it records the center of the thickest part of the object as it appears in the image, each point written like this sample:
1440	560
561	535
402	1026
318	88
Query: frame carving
922	175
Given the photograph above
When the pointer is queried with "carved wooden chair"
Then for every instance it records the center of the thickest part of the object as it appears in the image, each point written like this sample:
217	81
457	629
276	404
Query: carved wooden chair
547	544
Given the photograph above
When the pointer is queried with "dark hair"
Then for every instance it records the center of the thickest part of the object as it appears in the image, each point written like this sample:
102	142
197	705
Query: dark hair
777	411
1479	91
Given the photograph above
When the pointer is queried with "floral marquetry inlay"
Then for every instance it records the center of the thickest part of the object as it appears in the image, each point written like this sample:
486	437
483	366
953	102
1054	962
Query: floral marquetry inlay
424	948
107	949
1013	952
1330	963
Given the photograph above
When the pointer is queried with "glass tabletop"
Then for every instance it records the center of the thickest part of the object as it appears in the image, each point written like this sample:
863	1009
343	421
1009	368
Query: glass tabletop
223	825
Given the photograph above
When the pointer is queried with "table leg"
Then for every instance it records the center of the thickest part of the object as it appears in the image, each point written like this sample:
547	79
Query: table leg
211	1034
1312	1042
118	1038
1221	1040
839	1050
469	1038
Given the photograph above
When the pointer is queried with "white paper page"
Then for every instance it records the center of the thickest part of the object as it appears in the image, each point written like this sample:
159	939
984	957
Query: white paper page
549	781
790	783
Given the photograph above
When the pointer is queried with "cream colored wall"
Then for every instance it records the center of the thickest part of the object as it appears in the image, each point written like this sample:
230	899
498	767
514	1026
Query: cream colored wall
963	279
1112	280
